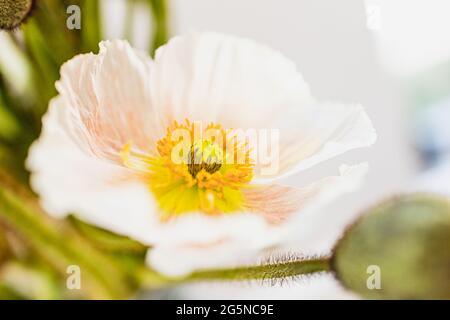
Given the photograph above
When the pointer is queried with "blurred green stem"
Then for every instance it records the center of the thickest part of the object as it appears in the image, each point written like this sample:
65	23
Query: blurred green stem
17	130
161	23
59	246
9	125
91	31
45	68
29	281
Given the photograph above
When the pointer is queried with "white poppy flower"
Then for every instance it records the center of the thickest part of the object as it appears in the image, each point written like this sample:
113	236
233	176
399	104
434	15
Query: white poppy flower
106	148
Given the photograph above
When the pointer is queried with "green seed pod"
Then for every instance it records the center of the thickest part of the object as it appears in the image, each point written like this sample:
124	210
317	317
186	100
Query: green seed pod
399	250
14	12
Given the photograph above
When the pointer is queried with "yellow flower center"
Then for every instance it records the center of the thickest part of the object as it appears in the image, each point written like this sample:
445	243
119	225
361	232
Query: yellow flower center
195	170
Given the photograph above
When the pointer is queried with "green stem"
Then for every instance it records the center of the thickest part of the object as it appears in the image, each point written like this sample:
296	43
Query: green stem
161	23
269	271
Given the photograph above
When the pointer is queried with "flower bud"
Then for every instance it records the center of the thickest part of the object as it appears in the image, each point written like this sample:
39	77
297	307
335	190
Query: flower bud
399	250
14	12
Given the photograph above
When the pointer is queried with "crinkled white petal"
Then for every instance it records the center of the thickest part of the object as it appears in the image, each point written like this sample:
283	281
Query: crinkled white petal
69	181
108	97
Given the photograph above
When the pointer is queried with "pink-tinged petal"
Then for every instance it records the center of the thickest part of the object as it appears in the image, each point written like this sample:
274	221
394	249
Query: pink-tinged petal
97	191
278	203
109	100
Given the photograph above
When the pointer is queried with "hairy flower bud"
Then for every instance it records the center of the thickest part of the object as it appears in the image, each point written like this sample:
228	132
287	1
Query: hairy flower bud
399	250
14	12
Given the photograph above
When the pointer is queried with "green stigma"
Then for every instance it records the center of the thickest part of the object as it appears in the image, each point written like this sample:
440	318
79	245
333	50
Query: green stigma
206	155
